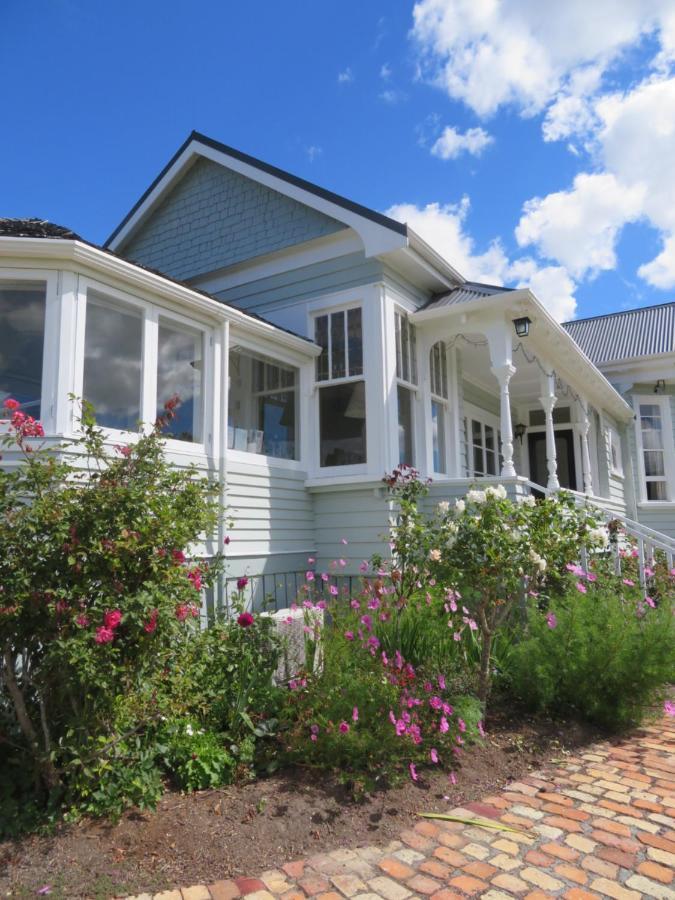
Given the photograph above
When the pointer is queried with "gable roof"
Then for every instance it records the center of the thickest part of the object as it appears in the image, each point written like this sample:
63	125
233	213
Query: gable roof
464	293
646	331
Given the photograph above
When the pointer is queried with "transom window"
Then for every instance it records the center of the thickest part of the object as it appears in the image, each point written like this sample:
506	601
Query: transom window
341	388
657	449
22	333
561	416
406	374
439	405
262	406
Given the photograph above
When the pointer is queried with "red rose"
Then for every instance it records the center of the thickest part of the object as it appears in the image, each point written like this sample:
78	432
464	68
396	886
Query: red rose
11	404
245	620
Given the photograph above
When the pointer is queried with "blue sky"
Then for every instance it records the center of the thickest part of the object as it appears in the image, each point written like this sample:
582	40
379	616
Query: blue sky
530	144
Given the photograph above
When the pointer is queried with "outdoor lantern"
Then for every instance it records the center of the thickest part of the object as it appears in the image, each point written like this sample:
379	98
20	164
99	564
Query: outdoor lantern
519	431
660	386
522	326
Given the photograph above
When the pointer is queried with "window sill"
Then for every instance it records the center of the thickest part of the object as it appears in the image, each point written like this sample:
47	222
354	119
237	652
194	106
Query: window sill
656	504
245	458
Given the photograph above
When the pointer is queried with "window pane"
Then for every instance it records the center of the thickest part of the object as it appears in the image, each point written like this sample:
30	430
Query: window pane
112	365
321	338
489	437
652	434
22	331
654	462
342	424
405	426
656	490
355	342
478	461
413	353
476	432
337	344
262	406
537	417
561	415
179	373
490	462
405	349
438	436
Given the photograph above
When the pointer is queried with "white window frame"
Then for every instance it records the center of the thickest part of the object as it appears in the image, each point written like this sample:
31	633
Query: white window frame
441	399
614	452
662	400
410	383
477	414
150	314
315	312
273	353
50	343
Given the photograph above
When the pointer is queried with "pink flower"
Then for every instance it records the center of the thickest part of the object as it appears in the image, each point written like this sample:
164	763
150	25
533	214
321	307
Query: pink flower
435	703
183	610
82	620
650	602
344	727
355	714
324	576
11	404
245	620
333	590
178	556
112	619
313	738
104	635
151	625
227	540
413	771
363	567
453	778
669	708
581	587
628	582
648	572
314	729
311	560
343	541
195	578
433	753
576	570
342	563
355	604
457	636
309	576
551	620
443	725
241	583
441	682
462	724
481	730
349	635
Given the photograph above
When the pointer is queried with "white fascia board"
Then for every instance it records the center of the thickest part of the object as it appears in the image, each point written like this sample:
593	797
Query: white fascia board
438	263
80	254
656	365
376	238
555	343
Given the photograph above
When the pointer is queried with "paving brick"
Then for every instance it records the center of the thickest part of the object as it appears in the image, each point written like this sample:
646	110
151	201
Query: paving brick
294	869
480	870
451	839
613	840
656	872
313	884
436	869
654	840
571	873
349	885
476	850
444	895
293	895
495	895
541	879
389	889
559	851
612	889
579	894
537	858
428	829
197	892
423	884
224	890
395	868
563	824
567	812
616	856
510	883
451	857
578	842
468	884
408	856
169	895
650	888
505	862
329	895
416	841
256	895
600	867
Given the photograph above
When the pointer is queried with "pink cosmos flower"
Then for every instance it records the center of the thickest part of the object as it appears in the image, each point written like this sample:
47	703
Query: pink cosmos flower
413	771
457	636
355	604
344	541
453	778
363	567
367	621
435	703
581	587
441	682
333	590
309	576
313	738
344	727
461	724
104	635
443	725
648	572
650	602
112	619
311	560
672	572
324	576
342	563
551	620
628	582
245	620
669	708
591	576
433	753
481	730
349	635
355	714
575	569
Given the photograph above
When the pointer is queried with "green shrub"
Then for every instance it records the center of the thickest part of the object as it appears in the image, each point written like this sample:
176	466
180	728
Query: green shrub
197	759
604	655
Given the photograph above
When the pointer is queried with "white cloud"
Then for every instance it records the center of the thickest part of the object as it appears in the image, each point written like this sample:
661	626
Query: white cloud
346	76
385	71
392	96
313	152
579	227
453	143
526	52
660	272
443	226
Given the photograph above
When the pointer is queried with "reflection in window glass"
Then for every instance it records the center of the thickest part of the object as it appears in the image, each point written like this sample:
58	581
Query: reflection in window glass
342	424
405	426
262	406
112	364
180	373
337	340
653	451
22	331
339	334
355	342
321	338
438	436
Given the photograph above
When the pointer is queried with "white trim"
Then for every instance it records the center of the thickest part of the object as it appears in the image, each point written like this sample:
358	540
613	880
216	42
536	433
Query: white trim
662	400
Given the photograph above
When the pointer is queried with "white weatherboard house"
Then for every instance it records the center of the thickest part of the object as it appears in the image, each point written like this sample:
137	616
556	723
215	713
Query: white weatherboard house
316	344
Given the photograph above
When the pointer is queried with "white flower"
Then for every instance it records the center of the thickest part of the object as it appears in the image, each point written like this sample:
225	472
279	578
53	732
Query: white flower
460	506
451	541
539	561
452	527
599	535
499	492
529	500
476	496
435	555
188	730
443	507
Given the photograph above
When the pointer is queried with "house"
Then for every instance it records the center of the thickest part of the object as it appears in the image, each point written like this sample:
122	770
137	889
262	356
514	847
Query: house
315	345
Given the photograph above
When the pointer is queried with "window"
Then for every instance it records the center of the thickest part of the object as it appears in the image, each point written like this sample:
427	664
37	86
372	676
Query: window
180	366
656	453
262	406
483	443
406	374
561	416
113	363
439	404
614	451
22	331
342	402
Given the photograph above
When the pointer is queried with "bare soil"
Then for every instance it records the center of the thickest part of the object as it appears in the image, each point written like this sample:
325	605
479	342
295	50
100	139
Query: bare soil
246	829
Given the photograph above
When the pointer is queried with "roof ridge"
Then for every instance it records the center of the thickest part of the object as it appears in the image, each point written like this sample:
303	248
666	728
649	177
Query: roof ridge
620	312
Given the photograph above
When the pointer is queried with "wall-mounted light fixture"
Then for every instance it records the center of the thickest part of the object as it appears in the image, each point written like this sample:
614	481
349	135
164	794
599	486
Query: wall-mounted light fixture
519	431
660	386
522	326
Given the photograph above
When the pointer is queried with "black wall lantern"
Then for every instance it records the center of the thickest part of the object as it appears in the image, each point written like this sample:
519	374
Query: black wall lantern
522	326
519	431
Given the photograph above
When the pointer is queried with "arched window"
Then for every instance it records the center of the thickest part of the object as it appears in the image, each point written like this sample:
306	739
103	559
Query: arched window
439	406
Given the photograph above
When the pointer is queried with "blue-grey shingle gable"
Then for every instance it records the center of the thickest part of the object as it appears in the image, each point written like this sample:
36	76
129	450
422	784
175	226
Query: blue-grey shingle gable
215	217
647	331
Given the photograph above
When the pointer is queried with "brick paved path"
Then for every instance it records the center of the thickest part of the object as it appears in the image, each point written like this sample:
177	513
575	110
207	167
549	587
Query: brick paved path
602	825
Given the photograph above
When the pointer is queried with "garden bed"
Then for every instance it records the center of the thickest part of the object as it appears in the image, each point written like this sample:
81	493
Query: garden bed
247	829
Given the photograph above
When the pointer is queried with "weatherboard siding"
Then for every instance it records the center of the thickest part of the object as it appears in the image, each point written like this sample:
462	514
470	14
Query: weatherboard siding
214	218
359	516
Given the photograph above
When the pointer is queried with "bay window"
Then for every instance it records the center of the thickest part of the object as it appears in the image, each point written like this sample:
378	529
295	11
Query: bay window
439	406
655	442
406	386
113	363
341	388
22	332
262	406
180	363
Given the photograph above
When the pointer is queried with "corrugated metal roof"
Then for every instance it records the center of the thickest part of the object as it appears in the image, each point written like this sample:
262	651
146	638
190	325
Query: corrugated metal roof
624	335
470	290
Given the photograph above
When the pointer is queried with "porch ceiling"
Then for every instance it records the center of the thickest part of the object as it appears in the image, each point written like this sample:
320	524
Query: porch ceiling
525	385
